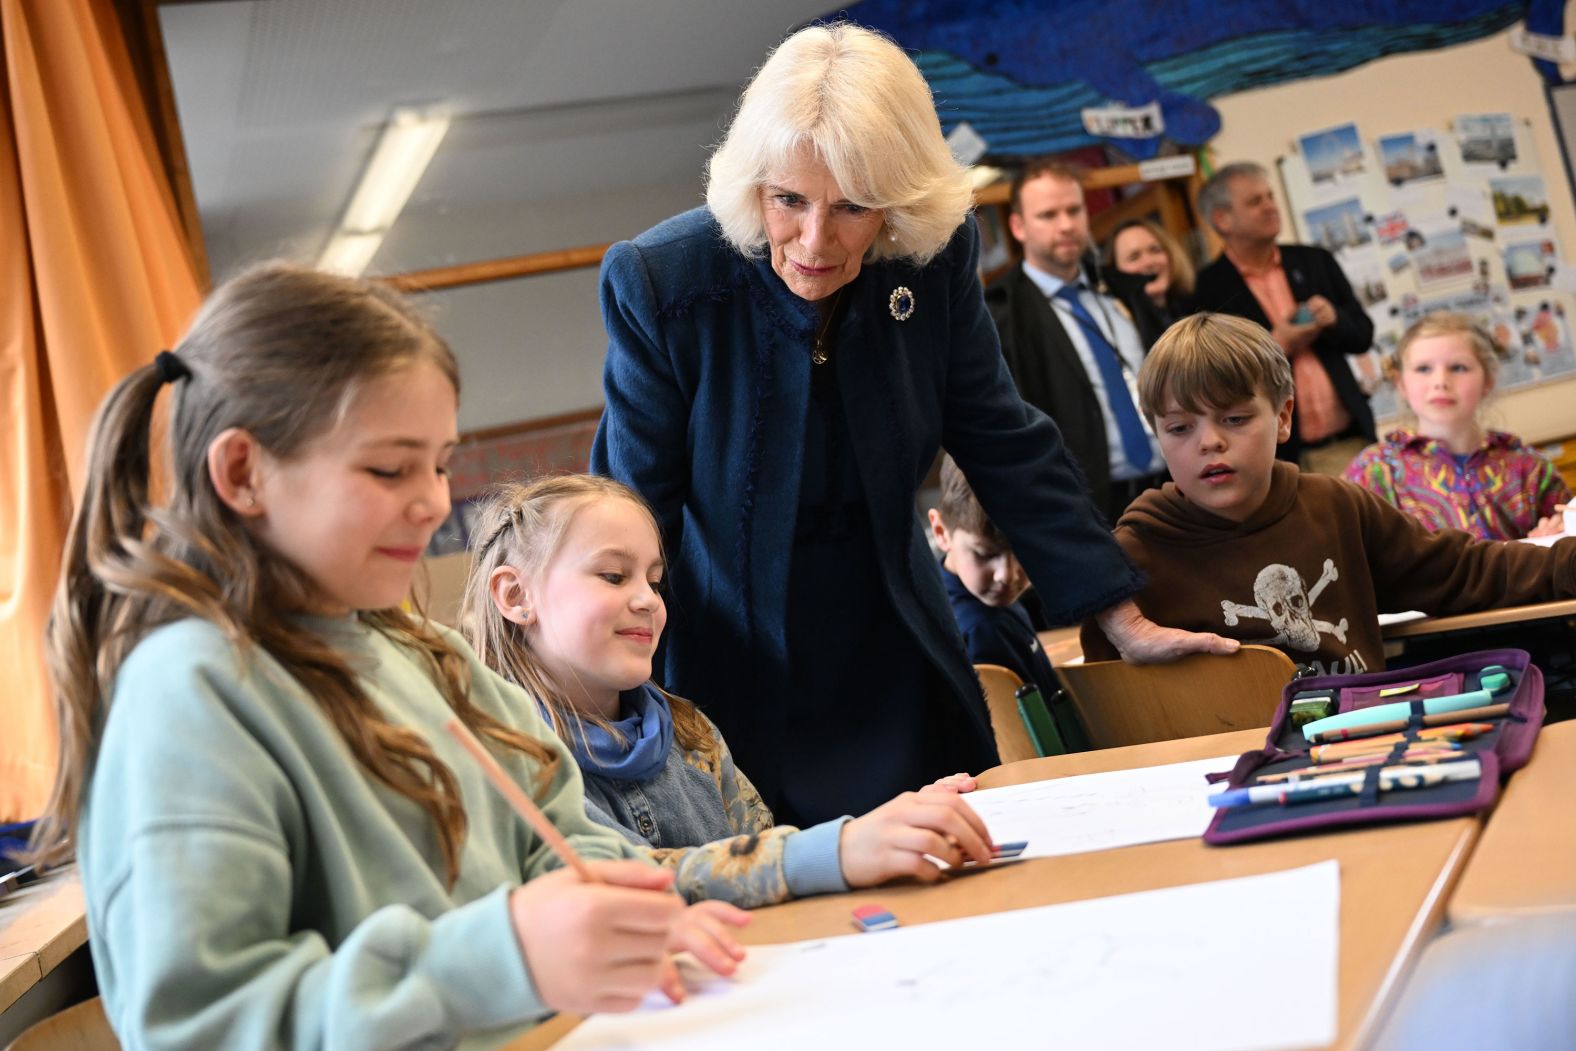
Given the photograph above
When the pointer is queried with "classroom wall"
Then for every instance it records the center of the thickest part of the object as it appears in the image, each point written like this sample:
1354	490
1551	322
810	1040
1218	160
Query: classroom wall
533	346
1426	89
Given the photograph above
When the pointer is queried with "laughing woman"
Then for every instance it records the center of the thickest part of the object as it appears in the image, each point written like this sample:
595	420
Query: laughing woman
783	365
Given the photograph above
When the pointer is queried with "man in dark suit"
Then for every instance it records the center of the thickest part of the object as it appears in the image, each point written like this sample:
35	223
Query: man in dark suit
1072	351
1299	293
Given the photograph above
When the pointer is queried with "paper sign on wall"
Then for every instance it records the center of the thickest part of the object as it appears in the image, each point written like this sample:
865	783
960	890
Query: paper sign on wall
1124	122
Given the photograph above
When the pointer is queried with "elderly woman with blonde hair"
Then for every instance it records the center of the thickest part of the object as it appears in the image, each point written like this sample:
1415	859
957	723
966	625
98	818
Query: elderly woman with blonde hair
783	365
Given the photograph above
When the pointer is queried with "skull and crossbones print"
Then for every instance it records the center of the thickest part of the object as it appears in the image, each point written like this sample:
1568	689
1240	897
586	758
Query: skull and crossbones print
1287	603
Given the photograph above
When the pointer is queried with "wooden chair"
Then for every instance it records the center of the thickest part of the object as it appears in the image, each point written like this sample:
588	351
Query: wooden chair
1001	697
1122	704
81	1027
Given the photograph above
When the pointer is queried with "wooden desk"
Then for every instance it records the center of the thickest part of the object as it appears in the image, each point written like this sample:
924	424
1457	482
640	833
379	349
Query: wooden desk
1525	861
40	925
1061	645
1394	882
1486	619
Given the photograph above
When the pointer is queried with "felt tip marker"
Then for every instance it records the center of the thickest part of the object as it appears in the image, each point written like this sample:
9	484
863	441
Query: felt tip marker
1390	779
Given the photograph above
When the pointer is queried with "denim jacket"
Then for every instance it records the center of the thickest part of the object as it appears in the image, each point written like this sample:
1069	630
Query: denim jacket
700	816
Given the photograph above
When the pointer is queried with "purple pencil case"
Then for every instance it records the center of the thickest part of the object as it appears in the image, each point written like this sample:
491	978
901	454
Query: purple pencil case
1499	751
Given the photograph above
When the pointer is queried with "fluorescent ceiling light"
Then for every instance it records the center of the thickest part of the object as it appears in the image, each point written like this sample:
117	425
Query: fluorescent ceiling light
348	253
409	140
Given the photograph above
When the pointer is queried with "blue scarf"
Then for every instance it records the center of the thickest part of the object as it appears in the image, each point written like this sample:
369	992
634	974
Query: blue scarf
646	723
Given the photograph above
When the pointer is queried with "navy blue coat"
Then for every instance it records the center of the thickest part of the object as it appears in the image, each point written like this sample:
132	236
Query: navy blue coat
707	382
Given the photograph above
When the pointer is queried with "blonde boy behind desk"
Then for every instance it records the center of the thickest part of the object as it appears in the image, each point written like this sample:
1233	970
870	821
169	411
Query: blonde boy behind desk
1248	547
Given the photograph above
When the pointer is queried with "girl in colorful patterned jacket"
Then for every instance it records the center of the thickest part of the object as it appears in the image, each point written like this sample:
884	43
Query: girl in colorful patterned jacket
1451	472
564	598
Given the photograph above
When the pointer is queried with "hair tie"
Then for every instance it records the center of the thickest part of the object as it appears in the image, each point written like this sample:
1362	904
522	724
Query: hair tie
169	367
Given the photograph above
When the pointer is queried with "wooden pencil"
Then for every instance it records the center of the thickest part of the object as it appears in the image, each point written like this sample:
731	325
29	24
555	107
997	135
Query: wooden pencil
519	800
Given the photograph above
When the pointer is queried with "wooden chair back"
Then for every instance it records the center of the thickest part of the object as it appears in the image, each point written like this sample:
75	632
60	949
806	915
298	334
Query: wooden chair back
80	1027
1001	697
1123	704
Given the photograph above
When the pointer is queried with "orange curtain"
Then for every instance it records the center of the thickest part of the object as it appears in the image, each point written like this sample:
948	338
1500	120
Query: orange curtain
95	277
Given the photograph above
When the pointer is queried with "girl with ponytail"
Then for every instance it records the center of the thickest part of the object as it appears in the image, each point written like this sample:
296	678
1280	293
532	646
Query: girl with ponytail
279	846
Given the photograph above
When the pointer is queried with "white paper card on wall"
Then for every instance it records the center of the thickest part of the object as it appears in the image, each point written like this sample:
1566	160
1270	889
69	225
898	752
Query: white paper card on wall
1564	279
1487	138
1541	45
1124	122
1178	167
1470	201
966	144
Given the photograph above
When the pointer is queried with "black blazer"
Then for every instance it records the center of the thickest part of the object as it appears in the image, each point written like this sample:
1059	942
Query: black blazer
1050	376
1310	271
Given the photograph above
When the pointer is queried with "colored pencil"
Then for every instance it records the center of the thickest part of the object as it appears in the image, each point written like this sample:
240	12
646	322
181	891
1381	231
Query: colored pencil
1415	755
519	800
1324	753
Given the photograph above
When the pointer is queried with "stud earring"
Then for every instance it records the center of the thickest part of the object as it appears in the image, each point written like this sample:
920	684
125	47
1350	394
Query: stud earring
251	501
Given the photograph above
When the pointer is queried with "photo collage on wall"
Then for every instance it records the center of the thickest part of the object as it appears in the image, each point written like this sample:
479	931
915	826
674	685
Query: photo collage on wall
1424	220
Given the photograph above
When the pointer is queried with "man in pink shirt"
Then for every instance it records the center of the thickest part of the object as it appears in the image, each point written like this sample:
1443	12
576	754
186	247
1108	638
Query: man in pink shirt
1299	293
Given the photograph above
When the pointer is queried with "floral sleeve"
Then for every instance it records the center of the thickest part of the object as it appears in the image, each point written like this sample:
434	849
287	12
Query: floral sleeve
746	869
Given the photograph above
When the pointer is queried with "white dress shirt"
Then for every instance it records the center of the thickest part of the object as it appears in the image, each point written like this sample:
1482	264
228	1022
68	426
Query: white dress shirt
1121	334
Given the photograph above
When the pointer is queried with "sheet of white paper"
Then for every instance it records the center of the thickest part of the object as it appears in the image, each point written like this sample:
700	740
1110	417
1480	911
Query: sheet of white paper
1386	619
1543	541
1074	815
1165	968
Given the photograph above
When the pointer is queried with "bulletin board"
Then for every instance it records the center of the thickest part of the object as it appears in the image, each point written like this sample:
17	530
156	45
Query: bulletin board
1451	218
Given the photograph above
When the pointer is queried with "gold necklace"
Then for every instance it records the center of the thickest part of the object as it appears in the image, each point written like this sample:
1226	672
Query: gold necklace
818	355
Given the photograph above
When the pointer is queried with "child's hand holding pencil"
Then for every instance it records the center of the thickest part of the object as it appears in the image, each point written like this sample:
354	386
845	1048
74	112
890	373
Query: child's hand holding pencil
597	946
596	936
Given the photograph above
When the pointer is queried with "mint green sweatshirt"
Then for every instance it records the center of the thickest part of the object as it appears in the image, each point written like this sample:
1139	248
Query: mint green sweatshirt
250	886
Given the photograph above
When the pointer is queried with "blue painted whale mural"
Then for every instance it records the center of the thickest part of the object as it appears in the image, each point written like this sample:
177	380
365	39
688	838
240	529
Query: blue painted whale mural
1020	71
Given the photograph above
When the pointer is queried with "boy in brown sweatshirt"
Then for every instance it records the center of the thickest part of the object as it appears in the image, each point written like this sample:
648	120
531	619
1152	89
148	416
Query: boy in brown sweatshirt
1244	545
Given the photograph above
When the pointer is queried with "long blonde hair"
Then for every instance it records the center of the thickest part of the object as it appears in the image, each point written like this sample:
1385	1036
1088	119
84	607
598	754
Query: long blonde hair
1485	348
280	351
521	525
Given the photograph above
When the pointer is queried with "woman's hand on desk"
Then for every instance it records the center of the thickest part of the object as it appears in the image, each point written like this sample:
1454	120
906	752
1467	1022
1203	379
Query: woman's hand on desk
596	946
893	839
1141	641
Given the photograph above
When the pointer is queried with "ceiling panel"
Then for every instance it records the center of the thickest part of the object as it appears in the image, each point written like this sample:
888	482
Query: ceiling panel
280	102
